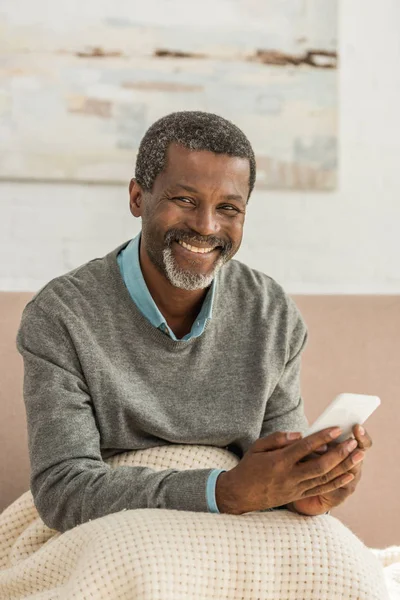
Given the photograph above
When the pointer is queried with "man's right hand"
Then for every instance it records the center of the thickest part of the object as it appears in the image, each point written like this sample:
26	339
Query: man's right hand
276	471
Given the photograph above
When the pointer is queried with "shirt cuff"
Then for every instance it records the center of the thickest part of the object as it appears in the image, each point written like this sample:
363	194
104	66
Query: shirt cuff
211	484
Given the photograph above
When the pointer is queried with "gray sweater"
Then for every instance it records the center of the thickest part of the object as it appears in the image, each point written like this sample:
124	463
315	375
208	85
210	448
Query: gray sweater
99	379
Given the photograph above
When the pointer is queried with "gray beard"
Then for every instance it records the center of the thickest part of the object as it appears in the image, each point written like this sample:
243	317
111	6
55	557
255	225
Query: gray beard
186	280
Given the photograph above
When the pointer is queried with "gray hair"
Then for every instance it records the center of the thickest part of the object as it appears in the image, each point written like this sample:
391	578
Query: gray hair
194	130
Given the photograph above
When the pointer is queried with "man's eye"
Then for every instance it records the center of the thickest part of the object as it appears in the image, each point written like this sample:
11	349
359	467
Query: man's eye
227	207
230	208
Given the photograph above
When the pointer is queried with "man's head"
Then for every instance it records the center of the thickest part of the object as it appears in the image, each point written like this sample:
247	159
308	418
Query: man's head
194	175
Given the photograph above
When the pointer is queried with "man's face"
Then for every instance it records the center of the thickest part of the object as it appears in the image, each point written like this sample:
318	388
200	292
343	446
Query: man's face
198	200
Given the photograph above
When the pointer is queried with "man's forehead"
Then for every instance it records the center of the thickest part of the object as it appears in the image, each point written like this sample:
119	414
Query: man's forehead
188	167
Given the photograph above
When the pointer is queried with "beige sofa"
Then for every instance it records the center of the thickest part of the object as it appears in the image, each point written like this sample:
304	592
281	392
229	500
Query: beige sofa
352	348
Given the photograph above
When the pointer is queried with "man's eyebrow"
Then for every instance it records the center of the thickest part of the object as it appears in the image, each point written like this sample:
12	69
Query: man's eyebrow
189	188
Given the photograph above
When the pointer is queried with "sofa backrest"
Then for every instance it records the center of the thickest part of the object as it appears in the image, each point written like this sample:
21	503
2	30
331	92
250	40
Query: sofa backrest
352	347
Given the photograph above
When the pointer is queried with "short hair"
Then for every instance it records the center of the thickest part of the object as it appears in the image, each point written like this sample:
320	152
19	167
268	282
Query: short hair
195	130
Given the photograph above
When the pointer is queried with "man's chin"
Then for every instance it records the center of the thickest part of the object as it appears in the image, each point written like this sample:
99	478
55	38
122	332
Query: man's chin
187	279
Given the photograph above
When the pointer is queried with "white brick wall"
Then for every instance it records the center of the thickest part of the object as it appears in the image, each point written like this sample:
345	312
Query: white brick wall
341	242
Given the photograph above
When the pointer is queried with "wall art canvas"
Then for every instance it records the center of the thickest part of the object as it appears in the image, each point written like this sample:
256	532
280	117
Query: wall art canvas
80	82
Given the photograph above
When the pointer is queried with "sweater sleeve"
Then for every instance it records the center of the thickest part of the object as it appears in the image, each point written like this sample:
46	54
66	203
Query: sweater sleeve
285	406
70	482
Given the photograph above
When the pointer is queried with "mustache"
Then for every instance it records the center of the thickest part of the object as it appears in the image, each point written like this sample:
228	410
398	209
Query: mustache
175	235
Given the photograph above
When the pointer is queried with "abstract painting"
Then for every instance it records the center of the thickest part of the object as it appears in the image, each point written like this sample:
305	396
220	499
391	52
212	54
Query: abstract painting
80	82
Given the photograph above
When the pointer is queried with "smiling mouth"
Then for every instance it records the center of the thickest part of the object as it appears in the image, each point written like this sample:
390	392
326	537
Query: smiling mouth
205	251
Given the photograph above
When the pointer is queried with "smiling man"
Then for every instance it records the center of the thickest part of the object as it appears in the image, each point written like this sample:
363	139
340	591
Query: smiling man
192	220
167	340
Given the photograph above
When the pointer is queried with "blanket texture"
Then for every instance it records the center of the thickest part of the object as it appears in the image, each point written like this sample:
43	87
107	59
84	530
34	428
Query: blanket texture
160	554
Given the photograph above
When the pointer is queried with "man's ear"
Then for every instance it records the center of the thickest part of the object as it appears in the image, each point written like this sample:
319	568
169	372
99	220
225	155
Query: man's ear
135	198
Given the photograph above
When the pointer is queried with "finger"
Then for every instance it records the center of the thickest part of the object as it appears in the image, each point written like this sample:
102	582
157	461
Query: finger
356	471
301	448
335	443
351	486
363	438
357	466
330	486
316	453
310	457
351	465
330	465
274	441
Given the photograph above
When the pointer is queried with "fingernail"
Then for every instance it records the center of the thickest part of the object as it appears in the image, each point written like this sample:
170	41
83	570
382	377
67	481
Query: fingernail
351	445
357	457
293	435
335	432
361	430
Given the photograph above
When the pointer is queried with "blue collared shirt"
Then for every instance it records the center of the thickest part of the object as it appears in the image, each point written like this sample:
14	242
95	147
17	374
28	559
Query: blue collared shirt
129	264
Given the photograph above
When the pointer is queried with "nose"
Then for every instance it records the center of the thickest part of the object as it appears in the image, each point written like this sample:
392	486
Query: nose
204	221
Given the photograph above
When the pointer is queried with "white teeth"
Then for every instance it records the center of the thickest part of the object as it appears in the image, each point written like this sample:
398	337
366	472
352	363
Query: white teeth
194	249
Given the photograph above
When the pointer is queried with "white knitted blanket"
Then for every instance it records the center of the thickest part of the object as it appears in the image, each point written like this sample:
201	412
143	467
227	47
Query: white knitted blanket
157	554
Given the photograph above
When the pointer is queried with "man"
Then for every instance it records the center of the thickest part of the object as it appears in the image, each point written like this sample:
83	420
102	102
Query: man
167	340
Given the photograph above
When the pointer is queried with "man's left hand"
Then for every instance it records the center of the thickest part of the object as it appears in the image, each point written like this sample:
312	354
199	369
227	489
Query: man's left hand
318	505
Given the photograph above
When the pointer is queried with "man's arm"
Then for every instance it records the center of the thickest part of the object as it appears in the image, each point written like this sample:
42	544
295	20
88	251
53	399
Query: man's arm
284	409
70	482
285	406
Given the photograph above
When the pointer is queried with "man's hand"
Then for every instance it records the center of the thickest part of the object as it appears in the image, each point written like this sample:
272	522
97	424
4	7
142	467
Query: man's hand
320	503
276	471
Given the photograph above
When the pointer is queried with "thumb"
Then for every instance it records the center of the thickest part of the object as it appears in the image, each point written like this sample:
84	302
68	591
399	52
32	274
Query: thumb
276	440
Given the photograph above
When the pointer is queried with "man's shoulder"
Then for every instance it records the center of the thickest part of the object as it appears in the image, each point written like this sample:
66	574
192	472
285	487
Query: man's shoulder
85	281
240	277
255	290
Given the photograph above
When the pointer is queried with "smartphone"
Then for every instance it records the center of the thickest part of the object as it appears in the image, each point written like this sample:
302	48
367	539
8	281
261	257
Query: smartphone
345	411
